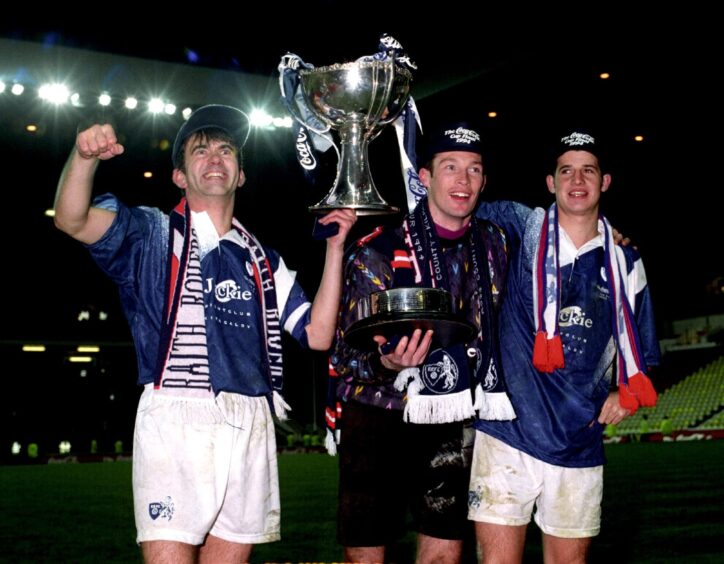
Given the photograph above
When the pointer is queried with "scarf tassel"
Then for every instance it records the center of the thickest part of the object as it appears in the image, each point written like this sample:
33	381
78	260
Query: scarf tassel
555	353
627	400
540	352
640	385
639	392
548	353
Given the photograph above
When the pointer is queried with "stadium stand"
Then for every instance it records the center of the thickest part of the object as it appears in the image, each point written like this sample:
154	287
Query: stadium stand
696	402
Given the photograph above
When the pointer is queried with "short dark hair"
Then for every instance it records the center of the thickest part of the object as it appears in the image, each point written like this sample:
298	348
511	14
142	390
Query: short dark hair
228	119
206	135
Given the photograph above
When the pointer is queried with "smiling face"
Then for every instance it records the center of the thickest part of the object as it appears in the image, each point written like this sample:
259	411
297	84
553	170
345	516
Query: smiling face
210	168
454	182
578	184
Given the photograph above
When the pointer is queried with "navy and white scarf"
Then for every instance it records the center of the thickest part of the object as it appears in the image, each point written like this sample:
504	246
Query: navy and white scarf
635	388
440	390
183	363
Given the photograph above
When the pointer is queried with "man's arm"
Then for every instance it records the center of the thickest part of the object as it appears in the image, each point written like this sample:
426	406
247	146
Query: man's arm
73	213
323	322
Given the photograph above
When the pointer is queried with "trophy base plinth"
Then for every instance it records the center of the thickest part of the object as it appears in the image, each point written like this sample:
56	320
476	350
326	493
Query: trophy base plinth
447	329
361	209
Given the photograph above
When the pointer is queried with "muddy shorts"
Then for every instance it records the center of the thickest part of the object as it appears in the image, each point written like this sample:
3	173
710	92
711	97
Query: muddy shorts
506	484
205	466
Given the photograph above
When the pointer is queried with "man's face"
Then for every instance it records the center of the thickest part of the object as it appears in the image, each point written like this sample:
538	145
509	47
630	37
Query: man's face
578	183
453	187
211	168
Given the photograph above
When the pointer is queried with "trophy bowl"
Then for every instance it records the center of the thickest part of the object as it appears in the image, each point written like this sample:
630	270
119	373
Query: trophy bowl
357	100
398	312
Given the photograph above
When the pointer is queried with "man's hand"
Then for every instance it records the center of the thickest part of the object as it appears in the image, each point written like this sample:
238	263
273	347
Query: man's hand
619	239
612	412
410	351
345	218
98	142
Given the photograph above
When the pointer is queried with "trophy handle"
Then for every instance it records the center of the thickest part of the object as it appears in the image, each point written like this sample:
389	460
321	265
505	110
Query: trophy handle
294	111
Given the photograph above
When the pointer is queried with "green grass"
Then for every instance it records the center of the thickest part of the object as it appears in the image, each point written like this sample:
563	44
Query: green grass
662	503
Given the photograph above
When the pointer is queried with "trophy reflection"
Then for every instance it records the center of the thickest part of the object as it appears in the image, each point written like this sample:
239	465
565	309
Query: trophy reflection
357	100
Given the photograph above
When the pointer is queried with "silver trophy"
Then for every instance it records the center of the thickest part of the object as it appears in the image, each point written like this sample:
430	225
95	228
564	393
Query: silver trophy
357	100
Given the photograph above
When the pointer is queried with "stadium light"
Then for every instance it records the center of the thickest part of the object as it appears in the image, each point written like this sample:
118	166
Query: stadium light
155	105
55	93
76	358
131	103
17	89
104	99
259	118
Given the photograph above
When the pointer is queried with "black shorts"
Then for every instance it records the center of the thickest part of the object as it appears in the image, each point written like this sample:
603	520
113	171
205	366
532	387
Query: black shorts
387	466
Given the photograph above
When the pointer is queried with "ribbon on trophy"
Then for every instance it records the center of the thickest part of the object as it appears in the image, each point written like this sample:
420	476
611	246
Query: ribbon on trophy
406	124
315	137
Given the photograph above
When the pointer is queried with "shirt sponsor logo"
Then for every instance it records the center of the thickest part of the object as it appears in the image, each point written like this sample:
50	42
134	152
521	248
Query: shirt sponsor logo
574	315
226	291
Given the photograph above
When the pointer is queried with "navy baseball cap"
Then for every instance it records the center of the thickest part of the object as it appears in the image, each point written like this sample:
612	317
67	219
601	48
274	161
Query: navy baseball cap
578	140
227	118
452	136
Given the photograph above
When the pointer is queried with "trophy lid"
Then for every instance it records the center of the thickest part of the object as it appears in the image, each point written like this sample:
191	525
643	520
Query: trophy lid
399	311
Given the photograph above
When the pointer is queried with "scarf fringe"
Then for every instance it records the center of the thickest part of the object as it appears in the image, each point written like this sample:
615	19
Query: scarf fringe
639	392
626	399
405	376
493	406
540	352
641	386
438	409
280	406
330	443
555	353
548	353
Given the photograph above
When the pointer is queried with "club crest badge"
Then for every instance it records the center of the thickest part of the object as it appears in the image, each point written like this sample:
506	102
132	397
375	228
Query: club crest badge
442	376
162	509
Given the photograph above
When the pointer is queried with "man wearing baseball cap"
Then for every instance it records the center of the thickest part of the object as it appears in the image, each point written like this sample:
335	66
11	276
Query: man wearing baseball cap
577	310
206	303
407	407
